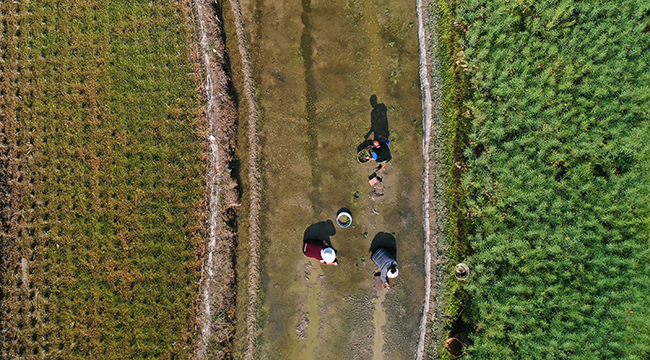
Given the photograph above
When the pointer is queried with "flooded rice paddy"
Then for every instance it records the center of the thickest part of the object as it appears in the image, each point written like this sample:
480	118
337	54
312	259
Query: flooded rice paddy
317	65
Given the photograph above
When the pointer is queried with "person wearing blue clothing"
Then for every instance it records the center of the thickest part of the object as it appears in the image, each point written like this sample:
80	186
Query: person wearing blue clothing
387	265
381	152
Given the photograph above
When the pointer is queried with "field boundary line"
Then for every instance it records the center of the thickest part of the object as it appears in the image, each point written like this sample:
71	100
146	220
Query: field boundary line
217	270
431	114
254	183
207	270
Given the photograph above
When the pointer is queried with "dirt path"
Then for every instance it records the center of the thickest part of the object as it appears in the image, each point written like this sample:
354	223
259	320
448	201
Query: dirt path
254	182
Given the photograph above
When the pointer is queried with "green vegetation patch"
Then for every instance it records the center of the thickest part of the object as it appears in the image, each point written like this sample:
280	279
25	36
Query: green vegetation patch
102	180
556	174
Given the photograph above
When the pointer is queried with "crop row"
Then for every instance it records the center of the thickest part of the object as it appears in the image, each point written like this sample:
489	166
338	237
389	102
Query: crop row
556	164
103	180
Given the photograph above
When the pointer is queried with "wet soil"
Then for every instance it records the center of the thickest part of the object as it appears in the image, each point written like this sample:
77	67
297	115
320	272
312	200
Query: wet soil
316	66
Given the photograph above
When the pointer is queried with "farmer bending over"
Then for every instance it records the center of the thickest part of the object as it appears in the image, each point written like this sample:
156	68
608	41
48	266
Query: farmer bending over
380	152
387	265
319	250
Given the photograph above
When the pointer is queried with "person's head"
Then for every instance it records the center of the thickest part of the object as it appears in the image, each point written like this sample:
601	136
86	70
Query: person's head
328	255
392	272
375	143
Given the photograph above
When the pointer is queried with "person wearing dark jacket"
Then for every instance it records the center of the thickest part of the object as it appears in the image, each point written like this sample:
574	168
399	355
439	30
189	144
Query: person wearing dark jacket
387	265
381	152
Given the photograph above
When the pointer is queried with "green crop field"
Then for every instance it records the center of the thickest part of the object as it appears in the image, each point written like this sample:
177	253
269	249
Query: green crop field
101	179
555	180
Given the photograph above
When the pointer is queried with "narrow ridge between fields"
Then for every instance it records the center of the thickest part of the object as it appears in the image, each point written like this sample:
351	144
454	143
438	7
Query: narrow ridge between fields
430	115
254	183
207	271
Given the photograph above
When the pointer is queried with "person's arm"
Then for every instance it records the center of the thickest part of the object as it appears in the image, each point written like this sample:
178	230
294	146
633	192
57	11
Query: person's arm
335	263
384	276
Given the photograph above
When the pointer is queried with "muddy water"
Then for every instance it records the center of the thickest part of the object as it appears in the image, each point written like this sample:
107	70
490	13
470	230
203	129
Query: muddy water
379	320
316	65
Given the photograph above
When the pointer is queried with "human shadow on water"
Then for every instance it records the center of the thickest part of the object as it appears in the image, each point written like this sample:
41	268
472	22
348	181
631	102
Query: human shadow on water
378	120
320	231
385	240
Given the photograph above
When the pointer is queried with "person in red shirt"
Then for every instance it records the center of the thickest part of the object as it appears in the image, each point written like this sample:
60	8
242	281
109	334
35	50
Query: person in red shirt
319	250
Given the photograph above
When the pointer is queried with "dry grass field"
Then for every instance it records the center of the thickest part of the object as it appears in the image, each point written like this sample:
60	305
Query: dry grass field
101	179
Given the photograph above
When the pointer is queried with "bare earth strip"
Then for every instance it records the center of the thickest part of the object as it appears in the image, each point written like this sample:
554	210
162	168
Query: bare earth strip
254	182
216	297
